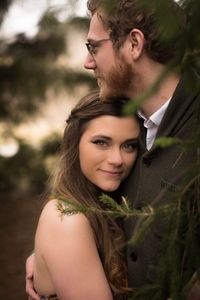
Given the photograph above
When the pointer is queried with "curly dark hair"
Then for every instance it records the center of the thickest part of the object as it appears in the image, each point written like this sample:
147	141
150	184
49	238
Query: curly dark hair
121	16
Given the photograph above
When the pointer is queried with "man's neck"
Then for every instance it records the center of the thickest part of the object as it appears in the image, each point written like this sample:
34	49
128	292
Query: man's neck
161	96
162	93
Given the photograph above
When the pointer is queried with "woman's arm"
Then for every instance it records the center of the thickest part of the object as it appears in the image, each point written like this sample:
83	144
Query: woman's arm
68	248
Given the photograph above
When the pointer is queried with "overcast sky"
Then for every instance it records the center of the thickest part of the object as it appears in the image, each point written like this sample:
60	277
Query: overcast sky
23	15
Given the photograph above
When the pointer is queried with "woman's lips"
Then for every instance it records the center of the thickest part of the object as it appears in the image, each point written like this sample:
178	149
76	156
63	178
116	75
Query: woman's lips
112	173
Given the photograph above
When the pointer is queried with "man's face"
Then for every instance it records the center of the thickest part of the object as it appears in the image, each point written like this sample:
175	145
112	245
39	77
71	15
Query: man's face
113	72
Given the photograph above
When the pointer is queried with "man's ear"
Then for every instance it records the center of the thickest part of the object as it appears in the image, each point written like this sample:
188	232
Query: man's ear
137	42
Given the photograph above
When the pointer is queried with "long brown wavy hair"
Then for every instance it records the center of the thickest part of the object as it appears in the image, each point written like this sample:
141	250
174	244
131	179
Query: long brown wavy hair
120	16
71	183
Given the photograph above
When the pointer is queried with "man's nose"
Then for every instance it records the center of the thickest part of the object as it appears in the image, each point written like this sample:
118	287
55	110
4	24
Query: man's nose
115	157
89	63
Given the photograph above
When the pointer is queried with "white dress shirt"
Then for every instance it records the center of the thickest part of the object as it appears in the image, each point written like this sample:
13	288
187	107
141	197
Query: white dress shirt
153	123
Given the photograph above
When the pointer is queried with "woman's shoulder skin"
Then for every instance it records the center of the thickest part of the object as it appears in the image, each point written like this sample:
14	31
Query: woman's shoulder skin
66	257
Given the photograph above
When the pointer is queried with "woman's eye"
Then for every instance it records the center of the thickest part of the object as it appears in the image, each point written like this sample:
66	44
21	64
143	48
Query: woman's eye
100	142
130	147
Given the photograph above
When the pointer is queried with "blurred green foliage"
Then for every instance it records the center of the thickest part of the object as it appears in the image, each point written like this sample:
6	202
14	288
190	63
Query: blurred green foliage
28	169
28	68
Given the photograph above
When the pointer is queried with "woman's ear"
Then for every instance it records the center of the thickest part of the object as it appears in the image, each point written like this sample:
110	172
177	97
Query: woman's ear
137	41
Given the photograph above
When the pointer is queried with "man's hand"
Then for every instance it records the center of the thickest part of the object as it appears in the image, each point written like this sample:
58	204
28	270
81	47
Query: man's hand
29	279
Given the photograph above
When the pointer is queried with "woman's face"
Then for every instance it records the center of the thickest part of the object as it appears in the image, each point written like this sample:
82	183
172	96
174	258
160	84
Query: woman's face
108	149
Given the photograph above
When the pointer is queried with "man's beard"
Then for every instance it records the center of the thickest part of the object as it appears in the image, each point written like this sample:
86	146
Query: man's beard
119	81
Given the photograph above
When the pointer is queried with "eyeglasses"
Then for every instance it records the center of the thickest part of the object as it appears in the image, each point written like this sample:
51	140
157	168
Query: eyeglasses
92	47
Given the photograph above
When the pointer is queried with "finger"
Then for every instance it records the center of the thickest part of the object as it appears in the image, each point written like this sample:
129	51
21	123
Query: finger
32	294
29	276
29	264
30	290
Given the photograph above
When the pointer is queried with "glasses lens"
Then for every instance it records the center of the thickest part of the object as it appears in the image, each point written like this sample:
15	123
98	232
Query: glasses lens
92	47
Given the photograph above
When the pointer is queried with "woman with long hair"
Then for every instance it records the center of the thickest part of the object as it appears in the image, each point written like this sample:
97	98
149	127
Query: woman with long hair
80	255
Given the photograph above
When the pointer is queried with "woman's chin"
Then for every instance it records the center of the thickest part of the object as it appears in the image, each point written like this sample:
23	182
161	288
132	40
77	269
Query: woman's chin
110	188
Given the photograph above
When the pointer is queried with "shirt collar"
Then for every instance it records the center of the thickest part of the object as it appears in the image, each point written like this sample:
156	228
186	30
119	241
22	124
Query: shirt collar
157	116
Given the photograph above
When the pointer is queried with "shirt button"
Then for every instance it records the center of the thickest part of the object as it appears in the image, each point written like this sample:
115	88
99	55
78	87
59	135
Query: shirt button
133	256
147	162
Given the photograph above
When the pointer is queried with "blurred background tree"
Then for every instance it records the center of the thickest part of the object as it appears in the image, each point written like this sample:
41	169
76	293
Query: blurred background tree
35	71
41	78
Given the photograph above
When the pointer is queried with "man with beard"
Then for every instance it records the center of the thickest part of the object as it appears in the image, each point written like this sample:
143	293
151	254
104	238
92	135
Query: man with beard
128	55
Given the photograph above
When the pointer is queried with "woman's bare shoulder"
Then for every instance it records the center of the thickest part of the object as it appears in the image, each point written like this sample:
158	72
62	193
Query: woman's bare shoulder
65	232
52	216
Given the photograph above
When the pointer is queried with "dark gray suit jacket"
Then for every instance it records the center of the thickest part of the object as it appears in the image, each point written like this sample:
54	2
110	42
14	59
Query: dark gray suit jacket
156	177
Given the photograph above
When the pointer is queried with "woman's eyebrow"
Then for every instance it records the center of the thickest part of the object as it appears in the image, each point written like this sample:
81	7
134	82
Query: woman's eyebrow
102	136
135	140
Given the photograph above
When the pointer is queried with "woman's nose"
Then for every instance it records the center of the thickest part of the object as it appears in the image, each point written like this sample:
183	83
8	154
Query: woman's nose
115	157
